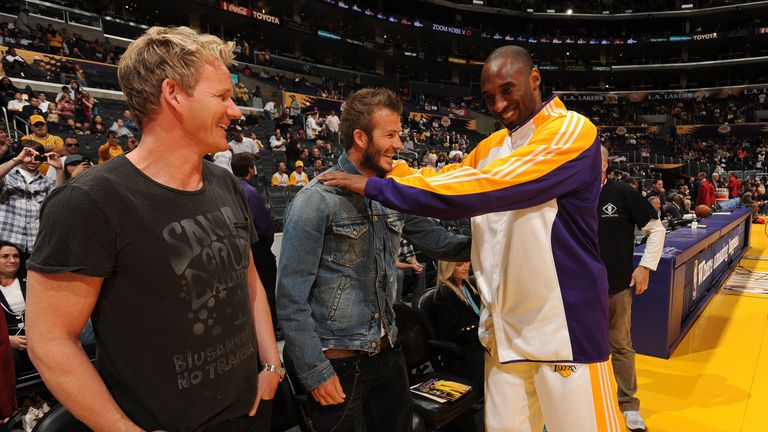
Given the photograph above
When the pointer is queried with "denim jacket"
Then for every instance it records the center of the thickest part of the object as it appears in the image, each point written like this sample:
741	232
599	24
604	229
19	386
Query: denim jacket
337	277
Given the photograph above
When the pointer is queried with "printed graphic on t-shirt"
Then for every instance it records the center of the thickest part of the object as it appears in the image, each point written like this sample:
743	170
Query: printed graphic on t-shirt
210	253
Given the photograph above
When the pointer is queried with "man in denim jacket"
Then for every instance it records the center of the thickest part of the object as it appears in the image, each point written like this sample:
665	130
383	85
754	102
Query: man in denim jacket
337	280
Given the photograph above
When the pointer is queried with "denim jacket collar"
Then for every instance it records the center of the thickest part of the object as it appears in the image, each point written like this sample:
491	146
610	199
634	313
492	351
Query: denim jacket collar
346	165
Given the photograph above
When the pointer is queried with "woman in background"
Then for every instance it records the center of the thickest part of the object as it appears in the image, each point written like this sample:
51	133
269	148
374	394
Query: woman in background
457	313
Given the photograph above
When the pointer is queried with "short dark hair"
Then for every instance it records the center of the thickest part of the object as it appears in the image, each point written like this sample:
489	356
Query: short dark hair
36	146
513	52
359	108
4	243
240	164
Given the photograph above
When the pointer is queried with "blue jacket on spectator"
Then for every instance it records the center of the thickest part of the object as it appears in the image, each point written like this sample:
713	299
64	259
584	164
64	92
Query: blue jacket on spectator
336	285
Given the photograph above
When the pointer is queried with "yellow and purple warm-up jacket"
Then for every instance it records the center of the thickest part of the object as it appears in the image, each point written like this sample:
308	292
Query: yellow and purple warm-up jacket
532	194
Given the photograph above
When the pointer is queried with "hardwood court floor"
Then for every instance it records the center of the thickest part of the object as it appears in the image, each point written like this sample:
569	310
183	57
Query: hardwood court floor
717	378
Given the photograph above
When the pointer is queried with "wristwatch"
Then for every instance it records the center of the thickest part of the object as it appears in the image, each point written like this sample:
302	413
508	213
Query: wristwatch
279	370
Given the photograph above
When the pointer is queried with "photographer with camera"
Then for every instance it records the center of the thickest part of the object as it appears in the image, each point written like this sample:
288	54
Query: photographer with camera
22	192
71	147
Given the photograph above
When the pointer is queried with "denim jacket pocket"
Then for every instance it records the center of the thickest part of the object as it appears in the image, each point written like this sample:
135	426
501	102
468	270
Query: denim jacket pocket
337	296
350	243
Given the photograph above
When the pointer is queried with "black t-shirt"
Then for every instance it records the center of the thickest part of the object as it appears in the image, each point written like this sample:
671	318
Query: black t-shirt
621	208
177	347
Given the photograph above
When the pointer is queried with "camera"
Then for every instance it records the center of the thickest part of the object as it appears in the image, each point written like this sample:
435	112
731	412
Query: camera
40	158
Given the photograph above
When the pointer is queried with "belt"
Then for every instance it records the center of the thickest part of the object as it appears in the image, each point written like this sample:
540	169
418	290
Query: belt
338	353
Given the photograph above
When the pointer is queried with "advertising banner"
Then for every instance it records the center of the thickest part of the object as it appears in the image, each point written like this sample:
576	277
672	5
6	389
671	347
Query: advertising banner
458	124
310	103
641	96
250	13
746	129
102	73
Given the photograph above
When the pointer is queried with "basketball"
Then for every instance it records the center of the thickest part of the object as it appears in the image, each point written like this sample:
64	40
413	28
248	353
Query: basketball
703	211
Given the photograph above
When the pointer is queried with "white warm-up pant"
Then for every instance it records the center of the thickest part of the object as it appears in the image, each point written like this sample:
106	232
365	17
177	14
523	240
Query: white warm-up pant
567	397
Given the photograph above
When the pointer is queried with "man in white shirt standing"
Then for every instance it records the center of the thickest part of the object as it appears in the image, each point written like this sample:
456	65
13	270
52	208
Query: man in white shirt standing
332	123
312	127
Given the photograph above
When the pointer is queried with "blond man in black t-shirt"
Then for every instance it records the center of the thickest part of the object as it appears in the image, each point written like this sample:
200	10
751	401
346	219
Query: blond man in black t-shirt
157	251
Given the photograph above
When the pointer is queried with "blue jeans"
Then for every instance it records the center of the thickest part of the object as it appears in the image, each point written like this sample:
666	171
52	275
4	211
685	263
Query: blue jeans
378	396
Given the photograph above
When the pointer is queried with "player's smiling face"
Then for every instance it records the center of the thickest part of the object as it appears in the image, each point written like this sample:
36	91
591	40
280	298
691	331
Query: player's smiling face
510	90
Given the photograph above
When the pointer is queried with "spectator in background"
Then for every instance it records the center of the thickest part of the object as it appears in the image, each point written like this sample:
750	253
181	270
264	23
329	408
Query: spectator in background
18	103
6	152
733	185
80	75
293	150
457	311
37	70
131	144
64	92
19	179
7	90
316	169
621	210
269	110
688	207
14	62
43	102
243	168
22	23
716	180
88	103
76	87
656	203
120	129
410	273
312	127
32	108
76	165
50	142
295	108
284	122
111	148
455	152
241	144
129	122
332	123
705	195
97	126
242	95
657	190
674	209
71	147
280	178
67	107
277	142
298	177
13	293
